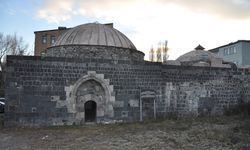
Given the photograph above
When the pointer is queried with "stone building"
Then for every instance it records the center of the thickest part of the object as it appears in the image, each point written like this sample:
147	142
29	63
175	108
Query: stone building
94	73
47	38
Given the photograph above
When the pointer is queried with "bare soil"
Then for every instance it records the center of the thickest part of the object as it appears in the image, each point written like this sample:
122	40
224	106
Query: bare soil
189	134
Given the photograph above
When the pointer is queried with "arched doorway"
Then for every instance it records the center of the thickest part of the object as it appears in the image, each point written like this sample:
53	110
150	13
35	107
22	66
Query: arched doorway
90	111
92	87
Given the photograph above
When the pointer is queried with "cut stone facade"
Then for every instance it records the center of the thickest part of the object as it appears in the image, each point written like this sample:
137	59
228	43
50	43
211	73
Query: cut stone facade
101	52
74	84
52	91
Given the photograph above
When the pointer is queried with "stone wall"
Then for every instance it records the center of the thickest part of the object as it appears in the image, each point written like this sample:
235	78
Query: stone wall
40	91
99	52
203	90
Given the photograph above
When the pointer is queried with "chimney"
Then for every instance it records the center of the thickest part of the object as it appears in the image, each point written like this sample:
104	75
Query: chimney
62	28
111	25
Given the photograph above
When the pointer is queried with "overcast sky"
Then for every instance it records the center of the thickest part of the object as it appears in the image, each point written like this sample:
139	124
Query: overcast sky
184	23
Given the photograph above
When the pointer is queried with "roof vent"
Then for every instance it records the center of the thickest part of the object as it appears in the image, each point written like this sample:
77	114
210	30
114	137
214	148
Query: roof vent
199	47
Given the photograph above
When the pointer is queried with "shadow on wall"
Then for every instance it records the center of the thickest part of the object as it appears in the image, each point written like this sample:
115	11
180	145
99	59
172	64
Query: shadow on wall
206	106
242	109
1	119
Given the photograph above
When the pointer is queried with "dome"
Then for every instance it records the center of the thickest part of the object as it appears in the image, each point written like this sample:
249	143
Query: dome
94	34
200	57
199	54
94	41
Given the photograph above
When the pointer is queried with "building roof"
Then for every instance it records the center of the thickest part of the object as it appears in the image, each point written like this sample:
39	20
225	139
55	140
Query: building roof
94	34
196	55
232	43
59	28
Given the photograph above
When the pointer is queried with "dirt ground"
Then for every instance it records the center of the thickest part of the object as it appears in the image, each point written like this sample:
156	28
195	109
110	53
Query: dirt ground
189	134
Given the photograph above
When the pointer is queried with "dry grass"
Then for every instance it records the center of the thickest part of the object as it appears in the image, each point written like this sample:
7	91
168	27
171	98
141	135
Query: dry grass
200	133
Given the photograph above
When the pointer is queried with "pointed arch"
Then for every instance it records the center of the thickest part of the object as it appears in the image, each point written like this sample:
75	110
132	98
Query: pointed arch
104	109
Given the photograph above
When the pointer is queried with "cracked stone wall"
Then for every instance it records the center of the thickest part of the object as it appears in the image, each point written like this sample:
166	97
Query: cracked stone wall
40	90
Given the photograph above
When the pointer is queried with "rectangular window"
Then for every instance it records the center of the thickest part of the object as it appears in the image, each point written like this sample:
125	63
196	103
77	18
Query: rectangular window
237	48
225	51
44	39
230	50
234	50
52	39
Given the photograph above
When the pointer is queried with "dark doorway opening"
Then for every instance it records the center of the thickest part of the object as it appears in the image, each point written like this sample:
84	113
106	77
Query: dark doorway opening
90	111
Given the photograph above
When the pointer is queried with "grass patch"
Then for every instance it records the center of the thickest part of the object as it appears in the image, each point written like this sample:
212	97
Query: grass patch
225	132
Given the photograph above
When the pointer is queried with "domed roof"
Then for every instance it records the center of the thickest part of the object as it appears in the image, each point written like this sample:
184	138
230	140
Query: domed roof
199	54
94	34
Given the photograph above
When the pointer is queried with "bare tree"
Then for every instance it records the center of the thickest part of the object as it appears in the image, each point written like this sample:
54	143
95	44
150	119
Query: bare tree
158	53
165	52
161	52
151	54
10	45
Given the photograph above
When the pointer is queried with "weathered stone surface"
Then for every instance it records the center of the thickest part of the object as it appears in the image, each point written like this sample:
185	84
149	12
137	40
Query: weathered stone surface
133	103
99	52
94	34
52	86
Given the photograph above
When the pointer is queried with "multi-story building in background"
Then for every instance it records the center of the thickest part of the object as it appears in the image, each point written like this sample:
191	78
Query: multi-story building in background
46	38
237	52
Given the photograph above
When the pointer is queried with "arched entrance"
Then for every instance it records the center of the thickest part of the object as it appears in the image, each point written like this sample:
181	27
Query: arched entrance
94	88
90	111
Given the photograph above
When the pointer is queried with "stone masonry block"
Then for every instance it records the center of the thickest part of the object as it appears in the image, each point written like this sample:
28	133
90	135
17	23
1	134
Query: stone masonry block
118	104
